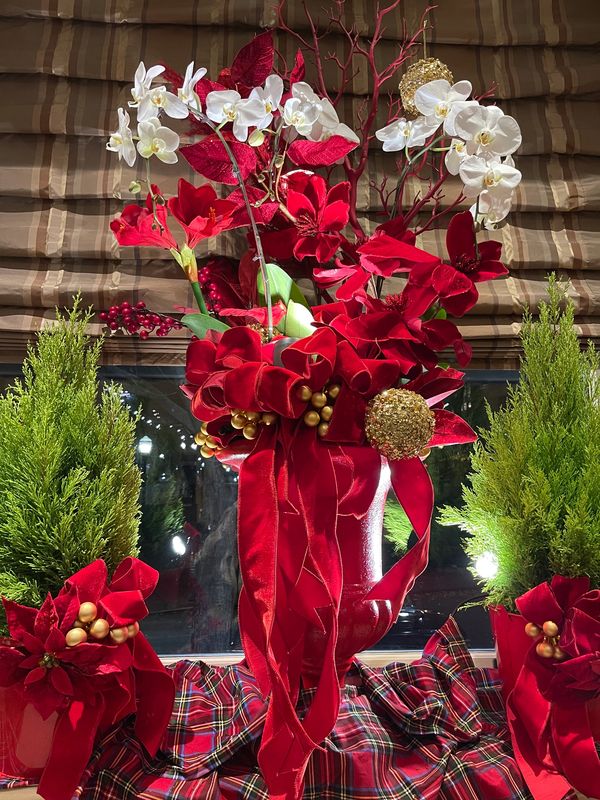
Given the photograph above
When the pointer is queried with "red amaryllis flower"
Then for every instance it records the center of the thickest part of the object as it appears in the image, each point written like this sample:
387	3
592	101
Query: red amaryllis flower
143	226
319	217
469	264
200	212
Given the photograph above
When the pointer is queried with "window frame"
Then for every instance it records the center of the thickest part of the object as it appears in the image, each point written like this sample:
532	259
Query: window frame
482	657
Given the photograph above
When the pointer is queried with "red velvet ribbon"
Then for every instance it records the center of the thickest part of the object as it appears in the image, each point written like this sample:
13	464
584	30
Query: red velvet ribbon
289	498
292	577
553	741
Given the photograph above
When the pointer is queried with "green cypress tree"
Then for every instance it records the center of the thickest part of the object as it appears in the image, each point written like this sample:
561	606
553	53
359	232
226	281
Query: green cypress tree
534	495
69	485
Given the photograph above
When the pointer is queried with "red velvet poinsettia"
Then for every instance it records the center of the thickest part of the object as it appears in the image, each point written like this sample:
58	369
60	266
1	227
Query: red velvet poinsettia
139	226
53	674
385	254
319	215
389	251
394	328
200	212
470	263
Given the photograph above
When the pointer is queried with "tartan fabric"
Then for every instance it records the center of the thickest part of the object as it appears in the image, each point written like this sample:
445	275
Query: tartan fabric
431	729
66	65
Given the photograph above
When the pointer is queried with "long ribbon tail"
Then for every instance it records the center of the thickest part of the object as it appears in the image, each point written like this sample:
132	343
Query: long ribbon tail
528	715
575	748
71	749
155	695
283	540
414	490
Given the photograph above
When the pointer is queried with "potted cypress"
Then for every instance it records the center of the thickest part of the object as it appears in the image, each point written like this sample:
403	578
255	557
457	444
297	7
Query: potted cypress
532	515
69	489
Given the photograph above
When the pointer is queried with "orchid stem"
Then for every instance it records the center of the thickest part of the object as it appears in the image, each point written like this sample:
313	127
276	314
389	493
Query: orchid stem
259	250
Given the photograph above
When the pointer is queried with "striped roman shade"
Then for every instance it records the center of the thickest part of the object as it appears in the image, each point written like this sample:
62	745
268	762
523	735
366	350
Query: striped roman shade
66	66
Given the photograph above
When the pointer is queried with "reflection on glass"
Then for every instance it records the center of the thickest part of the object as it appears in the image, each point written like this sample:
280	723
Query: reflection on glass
188	527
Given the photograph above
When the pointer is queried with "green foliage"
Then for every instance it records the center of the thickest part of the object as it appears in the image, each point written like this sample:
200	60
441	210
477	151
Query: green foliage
69	485
396	525
534	498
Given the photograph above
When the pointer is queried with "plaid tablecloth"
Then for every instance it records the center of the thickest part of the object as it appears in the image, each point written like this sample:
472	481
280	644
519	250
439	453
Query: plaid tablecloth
431	729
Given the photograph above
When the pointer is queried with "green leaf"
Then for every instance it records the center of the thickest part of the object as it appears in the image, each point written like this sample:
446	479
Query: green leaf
298	322
199	324
281	286
441	314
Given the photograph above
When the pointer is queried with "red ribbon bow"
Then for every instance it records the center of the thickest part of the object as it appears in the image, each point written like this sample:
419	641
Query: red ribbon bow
96	684
552	706
290	495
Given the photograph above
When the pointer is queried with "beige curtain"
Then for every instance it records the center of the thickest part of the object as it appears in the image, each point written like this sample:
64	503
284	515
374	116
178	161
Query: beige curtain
66	65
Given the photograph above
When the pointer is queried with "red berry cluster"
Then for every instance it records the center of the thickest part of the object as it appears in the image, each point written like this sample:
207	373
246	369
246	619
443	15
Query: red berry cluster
138	320
210	290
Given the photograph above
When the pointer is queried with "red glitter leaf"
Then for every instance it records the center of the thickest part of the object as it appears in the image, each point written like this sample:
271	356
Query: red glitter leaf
254	62
210	159
298	71
319	154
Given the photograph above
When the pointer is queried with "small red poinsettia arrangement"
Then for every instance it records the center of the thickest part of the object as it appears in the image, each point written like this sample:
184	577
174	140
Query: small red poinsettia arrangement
290	384
549	657
81	660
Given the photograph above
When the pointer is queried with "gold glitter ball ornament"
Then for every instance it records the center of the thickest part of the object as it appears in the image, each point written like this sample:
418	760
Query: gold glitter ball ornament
418	74
399	423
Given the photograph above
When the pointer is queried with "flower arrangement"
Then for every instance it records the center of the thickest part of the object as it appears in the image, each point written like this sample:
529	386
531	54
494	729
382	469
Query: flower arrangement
319	404
82	663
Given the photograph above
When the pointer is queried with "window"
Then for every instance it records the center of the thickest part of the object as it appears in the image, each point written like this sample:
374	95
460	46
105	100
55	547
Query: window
188	529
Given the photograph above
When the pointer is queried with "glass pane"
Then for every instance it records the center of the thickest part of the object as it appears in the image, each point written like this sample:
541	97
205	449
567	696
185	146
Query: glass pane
188	529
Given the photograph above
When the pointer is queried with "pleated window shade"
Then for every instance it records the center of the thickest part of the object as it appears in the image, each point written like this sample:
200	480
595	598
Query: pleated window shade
67	65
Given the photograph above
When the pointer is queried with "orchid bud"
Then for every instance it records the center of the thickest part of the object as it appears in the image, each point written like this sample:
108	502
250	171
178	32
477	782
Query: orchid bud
135	187
256	138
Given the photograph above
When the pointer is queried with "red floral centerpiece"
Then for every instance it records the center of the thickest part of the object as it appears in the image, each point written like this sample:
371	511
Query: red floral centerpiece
319	404
72	669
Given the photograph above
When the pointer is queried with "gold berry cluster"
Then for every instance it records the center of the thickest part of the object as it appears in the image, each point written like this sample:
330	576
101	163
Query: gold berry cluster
548	647
88	624
322	404
418	74
248	422
208	445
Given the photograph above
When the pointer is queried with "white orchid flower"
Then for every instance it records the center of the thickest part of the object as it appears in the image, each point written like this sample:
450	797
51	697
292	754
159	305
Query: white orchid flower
187	92
159	99
488	130
228	106
156	140
300	114
440	102
121	141
270	97
455	156
480	174
142	80
328	125
491	210
404	133
304	92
